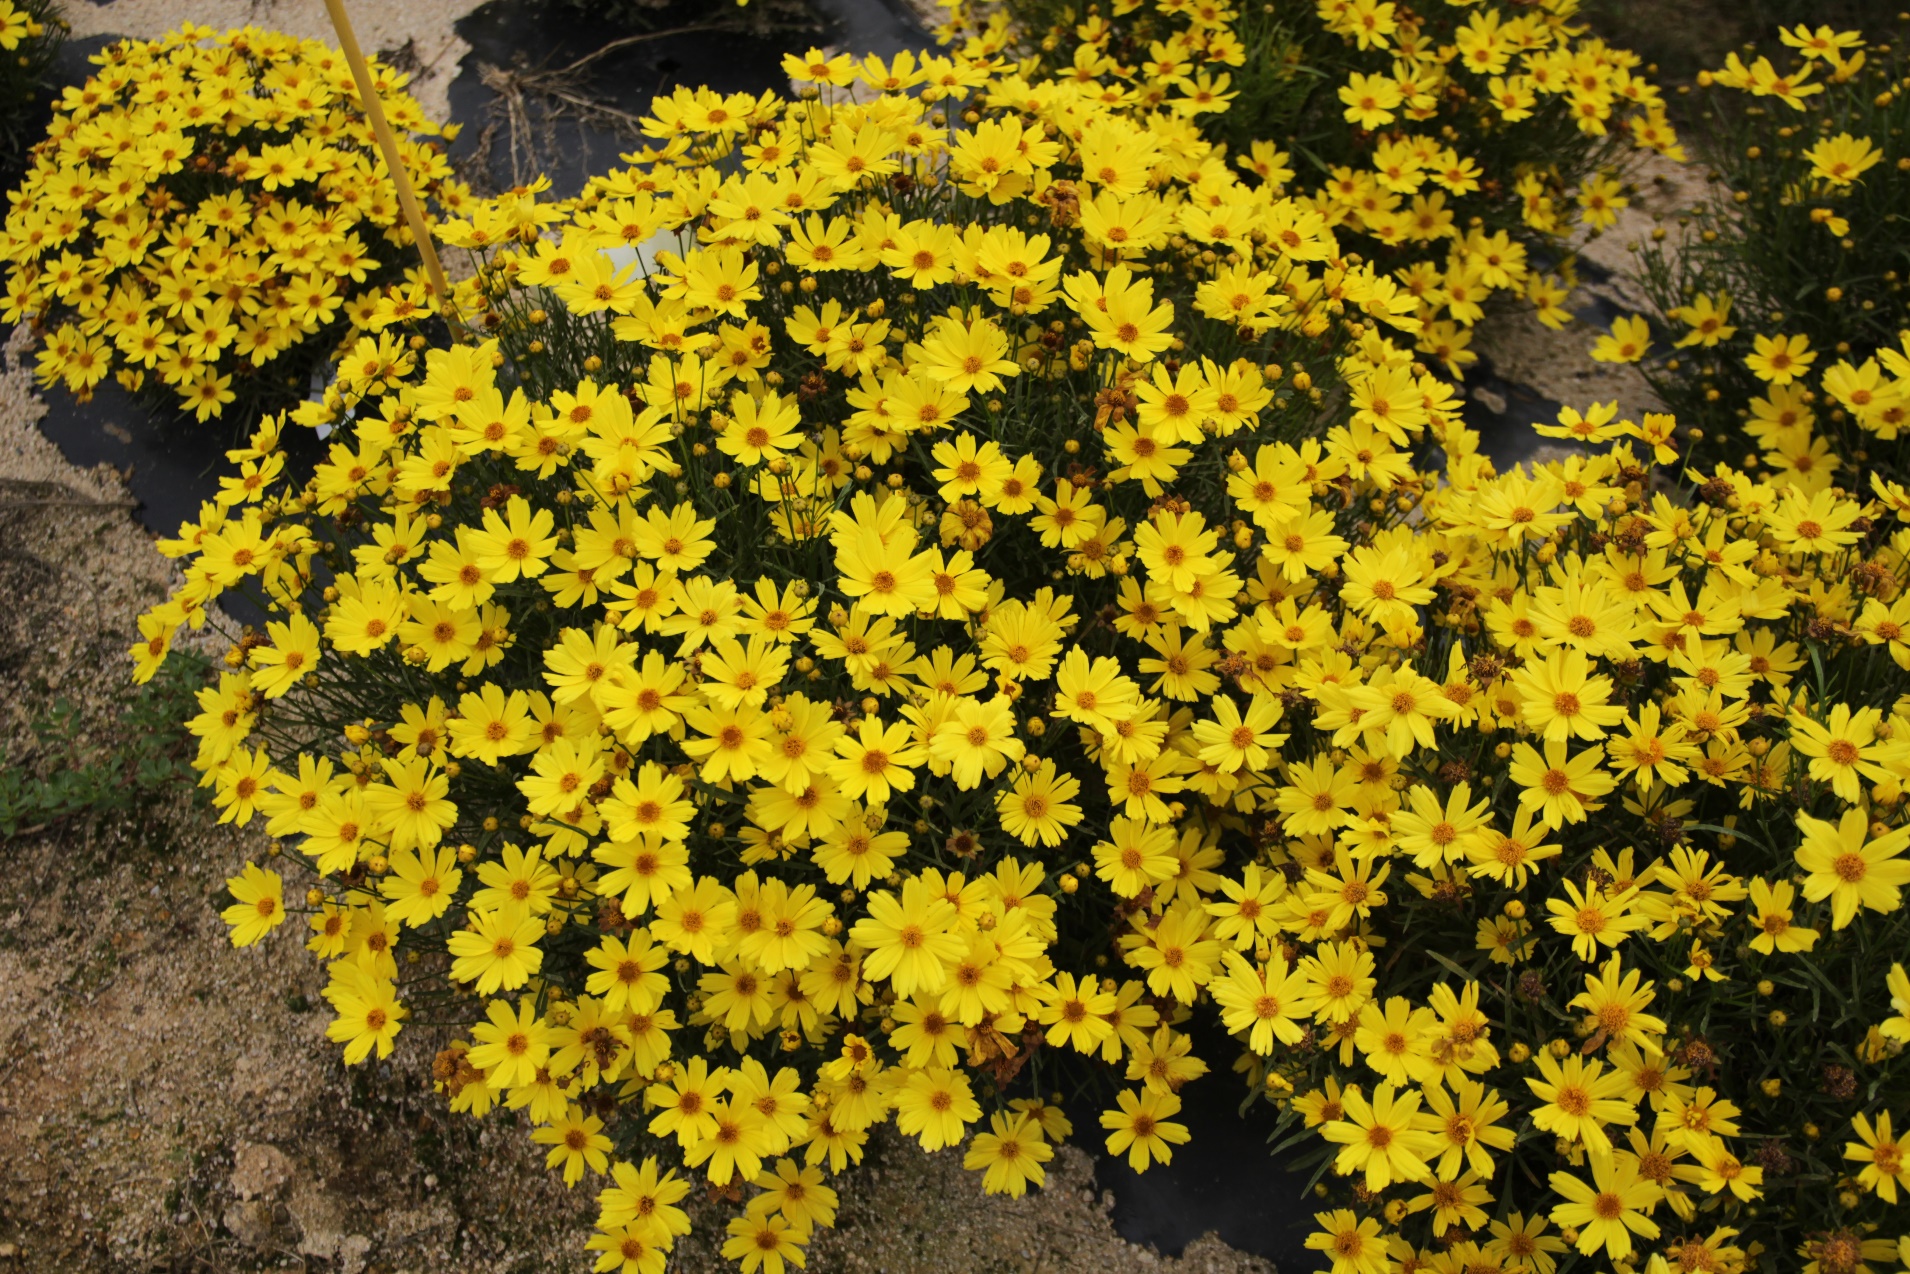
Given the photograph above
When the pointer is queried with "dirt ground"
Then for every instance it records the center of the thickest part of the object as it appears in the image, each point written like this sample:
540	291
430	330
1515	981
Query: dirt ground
169	1103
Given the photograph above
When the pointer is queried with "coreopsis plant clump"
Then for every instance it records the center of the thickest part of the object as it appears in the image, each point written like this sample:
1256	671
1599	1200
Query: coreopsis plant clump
209	216
31	33
1781	301
1458	146
949	623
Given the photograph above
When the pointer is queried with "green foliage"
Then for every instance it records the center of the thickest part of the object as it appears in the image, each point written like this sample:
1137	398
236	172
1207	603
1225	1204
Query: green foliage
1276	84
70	771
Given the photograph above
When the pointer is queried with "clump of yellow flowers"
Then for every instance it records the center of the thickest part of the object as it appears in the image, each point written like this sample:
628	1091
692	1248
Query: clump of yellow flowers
1456	145
947	587
1781	303
209	216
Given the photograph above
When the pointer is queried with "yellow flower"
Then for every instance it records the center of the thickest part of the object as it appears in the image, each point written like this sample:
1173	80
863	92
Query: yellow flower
1039	807
1396	1041
1592	917
1264	1002
1178	955
510	1046
258	905
576	1142
498	951
1378	1137
977	741
1370	100
967	358
1608	1212
1463	1119
1339	980
1882	1154
626	974
1141	1127
1708	319
369	1015
1615	1004
1562	789
1842	159
935	1106
1898	982
239	785
1137	855
1852	870
1580	1099
1779	360
1825	42
909	940
293	653
1353	1242
1721	1170
1600	202
1772	919
1563	699
1627	342
1842	749
1009	1155
422	884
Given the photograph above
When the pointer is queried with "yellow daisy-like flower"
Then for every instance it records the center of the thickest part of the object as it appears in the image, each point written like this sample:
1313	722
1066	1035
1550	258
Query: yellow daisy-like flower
1627	342
1779	360
258	905
1845	865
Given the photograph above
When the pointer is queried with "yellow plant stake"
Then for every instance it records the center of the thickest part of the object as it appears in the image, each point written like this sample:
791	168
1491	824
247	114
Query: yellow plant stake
388	143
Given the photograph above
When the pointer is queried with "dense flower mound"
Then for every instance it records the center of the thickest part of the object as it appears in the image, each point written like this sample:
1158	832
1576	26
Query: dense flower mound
31	34
1781	303
953	622
209	216
1456	144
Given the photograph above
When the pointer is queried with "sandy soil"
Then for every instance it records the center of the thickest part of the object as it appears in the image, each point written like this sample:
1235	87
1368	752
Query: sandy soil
169	1103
